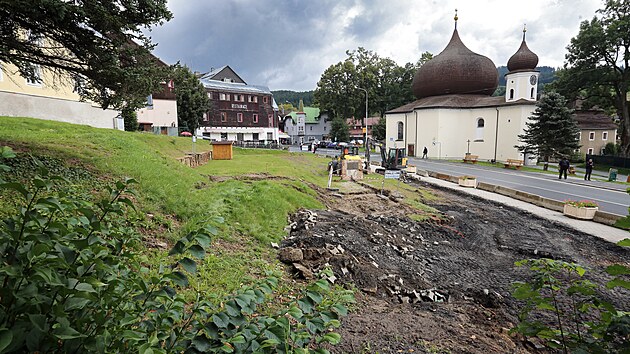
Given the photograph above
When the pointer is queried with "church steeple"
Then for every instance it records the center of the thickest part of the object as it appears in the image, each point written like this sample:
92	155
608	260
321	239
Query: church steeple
522	77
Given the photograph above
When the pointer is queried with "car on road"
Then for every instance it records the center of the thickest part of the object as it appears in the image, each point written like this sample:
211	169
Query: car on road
332	145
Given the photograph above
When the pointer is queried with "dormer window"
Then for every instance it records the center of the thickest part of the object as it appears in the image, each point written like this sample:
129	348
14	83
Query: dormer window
227	79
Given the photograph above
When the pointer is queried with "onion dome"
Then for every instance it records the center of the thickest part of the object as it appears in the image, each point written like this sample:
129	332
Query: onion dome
456	70
523	59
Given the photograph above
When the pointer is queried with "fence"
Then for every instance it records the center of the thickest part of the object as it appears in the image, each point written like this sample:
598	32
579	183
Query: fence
259	145
607	160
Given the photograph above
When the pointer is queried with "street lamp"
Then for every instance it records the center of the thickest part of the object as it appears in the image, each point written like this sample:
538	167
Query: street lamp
367	148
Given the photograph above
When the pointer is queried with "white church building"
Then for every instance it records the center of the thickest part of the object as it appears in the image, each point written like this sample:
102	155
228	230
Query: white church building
455	113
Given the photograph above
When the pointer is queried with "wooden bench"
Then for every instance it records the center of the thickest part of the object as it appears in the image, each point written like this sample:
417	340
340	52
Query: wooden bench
512	163
471	159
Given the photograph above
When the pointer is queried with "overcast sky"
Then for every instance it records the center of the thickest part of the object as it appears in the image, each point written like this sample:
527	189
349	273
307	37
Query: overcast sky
287	44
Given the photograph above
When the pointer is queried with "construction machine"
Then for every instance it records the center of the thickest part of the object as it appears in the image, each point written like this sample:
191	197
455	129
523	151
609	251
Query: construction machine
394	158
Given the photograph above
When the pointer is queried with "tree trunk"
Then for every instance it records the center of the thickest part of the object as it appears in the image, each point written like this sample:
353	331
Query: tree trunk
624	126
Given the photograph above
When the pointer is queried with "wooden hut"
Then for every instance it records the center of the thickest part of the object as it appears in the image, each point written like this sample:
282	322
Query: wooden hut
221	150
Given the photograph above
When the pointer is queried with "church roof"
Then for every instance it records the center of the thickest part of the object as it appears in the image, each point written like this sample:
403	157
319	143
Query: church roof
456	70
457	102
523	59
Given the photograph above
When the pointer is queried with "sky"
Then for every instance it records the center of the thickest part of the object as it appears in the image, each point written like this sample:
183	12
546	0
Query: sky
288	44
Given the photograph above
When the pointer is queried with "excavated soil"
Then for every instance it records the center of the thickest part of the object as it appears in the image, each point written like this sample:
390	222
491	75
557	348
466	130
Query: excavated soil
439	286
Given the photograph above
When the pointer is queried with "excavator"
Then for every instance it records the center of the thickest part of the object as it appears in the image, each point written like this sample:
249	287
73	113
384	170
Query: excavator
394	158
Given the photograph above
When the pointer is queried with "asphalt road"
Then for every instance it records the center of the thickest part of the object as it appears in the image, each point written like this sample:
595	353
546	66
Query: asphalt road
611	197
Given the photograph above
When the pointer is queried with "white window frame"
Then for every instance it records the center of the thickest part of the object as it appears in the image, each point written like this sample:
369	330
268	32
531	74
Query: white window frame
590	151
223	117
253	99
591	136
224	97
239	117
255	118
270	119
38	72
604	135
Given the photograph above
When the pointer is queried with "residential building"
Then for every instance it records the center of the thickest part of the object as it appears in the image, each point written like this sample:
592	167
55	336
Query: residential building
455	114
239	112
160	114
356	126
596	130
306	125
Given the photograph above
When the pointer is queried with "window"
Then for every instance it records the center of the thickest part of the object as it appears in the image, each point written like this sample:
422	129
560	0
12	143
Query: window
223	117
36	80
265	99
255	118
223	136
270	119
591	136
532	93
324	128
239	98
239	136
255	136
479	132
311	127
511	94
604	135
590	151
150	102
205	117
401	128
269	136
209	95
239	117
253	99
224	96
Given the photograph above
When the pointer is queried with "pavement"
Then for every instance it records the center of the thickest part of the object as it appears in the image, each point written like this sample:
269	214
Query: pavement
608	233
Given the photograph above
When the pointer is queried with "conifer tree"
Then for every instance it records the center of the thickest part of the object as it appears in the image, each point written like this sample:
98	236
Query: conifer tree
552	130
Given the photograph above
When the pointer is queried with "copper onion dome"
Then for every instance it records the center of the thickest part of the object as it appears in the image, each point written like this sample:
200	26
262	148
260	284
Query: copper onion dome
456	70
523	59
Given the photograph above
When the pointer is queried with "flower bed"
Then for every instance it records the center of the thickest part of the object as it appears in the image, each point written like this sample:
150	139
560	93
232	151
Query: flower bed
468	181
582	209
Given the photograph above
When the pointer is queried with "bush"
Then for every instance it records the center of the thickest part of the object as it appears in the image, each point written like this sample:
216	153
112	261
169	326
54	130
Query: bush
73	280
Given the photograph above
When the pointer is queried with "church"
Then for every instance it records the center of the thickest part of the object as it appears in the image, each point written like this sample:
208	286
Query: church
455	114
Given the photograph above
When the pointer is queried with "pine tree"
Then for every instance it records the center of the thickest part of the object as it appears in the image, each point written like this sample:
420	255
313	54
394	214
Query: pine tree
552	130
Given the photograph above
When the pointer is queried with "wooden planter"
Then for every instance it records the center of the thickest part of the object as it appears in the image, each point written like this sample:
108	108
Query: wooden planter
585	213
468	182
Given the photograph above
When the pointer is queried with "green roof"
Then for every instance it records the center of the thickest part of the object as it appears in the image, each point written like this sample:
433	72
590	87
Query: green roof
311	114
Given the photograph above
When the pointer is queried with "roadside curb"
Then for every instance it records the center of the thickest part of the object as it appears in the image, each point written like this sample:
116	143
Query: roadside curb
601	217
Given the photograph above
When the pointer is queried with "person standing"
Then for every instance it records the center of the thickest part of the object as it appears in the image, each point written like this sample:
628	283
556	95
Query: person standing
425	152
563	167
589	169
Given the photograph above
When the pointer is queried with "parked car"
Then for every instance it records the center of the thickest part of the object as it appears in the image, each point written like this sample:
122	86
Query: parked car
332	145
323	144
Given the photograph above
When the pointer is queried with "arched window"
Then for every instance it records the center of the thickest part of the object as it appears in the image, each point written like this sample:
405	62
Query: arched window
511	94
479	132
401	129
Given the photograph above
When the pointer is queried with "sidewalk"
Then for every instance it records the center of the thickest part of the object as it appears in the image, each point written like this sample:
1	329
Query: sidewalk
605	232
598	178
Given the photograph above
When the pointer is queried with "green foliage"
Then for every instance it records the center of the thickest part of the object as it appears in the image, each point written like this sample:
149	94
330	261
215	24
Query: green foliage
293	97
388	84
192	99
611	149
74	281
565	310
379	130
131	119
98	45
596	67
552	132
339	130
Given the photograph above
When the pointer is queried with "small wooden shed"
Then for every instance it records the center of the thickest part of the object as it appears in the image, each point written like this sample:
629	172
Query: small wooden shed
221	150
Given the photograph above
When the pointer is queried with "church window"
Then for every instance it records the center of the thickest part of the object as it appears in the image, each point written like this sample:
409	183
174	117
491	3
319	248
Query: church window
511	94
401	128
479	132
532	94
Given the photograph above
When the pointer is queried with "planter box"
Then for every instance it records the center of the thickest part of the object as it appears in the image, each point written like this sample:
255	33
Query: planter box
580	212
468	182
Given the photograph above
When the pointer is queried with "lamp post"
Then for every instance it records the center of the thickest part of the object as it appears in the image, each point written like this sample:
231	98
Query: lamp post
367	148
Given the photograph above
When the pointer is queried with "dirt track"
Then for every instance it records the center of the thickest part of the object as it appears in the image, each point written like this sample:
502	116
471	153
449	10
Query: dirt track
437	286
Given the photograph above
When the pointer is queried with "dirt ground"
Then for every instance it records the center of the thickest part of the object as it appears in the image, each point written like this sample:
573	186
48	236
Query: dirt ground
436	286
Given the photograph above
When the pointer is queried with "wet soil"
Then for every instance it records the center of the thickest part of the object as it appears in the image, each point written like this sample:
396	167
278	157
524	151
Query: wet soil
438	286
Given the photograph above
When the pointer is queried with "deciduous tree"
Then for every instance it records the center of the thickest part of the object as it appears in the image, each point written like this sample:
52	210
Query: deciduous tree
552	132
339	130
99	44
597	64
192	99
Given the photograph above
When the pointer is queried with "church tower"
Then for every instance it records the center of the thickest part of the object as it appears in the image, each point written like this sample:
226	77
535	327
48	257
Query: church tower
521	81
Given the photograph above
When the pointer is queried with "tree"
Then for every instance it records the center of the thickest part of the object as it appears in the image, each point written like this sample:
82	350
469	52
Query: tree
339	130
97	44
378	130
388	84
192	99
130	118
597	67
552	131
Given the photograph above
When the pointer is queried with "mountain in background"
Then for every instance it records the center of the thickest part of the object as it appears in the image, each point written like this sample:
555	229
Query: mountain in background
293	97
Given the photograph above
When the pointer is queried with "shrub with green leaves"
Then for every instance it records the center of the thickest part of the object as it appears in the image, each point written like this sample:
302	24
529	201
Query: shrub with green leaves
567	312
74	280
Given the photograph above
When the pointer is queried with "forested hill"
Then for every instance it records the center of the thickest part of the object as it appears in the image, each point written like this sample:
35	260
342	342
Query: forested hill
293	97
547	74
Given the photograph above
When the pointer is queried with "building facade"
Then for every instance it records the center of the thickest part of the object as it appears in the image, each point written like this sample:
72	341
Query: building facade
455	113
356	126
239	112
596	130
306	125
